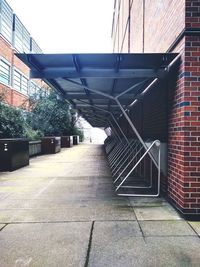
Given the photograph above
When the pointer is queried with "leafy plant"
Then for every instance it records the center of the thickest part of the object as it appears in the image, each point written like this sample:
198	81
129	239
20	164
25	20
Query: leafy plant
48	116
53	116
11	122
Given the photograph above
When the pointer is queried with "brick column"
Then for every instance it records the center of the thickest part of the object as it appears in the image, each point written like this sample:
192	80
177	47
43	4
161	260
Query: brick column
184	121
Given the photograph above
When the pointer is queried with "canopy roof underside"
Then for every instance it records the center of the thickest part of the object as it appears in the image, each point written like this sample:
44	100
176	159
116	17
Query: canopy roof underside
93	82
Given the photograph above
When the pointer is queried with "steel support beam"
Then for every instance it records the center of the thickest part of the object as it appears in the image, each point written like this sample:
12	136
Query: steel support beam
108	112
124	113
72	73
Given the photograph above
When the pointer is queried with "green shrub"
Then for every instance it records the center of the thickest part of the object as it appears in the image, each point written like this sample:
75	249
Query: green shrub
11	122
50	116
32	134
76	131
53	116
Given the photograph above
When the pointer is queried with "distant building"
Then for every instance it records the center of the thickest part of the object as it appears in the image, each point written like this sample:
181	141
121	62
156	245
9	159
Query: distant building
15	85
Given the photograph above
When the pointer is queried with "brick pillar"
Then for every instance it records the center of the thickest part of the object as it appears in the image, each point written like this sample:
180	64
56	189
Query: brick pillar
184	121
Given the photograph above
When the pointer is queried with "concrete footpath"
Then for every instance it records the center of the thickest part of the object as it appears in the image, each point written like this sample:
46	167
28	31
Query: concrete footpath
62	211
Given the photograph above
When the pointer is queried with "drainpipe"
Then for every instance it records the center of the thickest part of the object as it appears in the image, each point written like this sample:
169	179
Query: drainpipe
143	37
129	26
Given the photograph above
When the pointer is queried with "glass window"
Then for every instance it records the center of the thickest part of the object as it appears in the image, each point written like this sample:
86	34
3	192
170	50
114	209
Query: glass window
4	72
24	87
17	80
38	92
20	82
32	90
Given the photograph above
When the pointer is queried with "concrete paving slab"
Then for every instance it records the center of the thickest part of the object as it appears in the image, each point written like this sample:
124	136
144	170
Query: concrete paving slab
173	251
195	226
117	244
147	201
166	228
69	213
156	213
75	185
37	245
121	248
49	202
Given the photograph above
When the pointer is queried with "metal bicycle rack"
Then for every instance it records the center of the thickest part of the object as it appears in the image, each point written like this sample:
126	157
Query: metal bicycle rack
103	88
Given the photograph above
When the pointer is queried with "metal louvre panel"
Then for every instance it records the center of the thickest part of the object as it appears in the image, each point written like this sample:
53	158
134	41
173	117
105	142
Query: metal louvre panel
21	36
18	34
35	47
26	40
6	20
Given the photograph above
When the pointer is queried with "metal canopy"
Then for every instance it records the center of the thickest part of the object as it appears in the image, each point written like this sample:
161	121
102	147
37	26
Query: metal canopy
99	85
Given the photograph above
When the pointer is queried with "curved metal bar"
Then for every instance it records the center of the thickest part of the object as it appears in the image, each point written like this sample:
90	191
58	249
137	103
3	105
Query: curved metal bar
157	143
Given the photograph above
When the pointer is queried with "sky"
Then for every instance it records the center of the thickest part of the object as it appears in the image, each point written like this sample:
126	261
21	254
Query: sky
67	26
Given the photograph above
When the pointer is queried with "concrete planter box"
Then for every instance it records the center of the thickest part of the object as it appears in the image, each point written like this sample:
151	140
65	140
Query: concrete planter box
14	154
51	145
75	139
35	148
66	141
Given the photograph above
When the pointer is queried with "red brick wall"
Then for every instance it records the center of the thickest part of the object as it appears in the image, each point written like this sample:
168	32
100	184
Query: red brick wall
164	21
136	27
5	93
19	100
192	19
176	125
5	50
168	27
20	65
11	96
184	121
153	25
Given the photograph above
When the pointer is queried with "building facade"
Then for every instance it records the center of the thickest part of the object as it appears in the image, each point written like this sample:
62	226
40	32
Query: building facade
15	85
171	112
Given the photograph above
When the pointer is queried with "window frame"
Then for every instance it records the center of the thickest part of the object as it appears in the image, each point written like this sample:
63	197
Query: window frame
37	90
9	65
22	75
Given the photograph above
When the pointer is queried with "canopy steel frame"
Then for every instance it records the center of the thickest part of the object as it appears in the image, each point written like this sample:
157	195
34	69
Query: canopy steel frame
111	114
77	73
119	149
122	110
149	68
